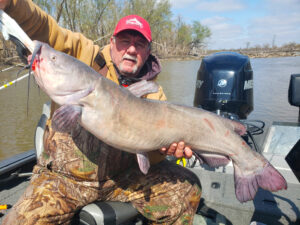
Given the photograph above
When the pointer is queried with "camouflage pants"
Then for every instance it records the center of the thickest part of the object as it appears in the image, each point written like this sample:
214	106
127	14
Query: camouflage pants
77	169
168	194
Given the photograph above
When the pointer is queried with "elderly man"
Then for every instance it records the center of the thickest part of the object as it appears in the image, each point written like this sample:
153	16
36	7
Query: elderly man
75	168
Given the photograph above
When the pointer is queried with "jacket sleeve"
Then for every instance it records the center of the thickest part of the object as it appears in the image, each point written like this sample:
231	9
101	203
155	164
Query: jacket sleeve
41	26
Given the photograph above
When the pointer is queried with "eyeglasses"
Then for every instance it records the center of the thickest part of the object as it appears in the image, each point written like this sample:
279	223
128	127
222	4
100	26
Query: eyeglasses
125	43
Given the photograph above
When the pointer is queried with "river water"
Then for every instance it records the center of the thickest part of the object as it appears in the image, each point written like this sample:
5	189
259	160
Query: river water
271	80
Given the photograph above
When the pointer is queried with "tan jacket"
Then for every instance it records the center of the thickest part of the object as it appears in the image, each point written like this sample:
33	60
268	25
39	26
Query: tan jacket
40	26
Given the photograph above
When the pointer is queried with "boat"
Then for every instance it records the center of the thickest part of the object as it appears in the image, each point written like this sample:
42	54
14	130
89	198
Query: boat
218	203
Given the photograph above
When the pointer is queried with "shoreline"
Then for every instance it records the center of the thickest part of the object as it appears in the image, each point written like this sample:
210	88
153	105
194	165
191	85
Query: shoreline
250	53
15	61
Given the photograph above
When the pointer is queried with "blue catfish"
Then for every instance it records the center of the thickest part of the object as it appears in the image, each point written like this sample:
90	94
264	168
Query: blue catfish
136	125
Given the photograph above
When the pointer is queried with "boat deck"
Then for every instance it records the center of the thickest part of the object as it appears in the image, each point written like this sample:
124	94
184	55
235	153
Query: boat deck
11	192
218	205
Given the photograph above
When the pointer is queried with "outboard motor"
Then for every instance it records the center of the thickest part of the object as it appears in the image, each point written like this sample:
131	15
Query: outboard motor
225	85
294	92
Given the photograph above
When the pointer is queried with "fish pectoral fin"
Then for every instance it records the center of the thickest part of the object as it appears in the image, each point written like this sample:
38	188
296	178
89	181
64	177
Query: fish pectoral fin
143	87
66	117
212	160
267	178
143	162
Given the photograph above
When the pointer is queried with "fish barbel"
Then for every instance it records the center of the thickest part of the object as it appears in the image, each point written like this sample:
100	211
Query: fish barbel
120	119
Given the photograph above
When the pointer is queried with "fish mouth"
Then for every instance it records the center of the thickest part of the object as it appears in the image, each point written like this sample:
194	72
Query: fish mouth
36	50
73	97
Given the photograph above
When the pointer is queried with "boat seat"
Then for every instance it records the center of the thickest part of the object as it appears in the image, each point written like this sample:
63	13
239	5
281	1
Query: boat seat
103	213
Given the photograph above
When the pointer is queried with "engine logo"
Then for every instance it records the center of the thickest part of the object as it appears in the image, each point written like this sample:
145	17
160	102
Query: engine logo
199	83
222	83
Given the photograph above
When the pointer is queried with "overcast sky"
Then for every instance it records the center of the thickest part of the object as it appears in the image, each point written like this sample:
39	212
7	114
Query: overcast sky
234	23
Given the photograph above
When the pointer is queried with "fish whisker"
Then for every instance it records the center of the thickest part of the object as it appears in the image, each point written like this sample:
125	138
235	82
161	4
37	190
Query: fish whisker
22	69
35	51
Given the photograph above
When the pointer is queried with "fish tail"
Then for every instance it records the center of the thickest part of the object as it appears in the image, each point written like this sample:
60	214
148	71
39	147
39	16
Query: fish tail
267	178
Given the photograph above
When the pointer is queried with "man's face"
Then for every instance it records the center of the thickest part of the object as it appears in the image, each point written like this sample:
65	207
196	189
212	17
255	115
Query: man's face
129	52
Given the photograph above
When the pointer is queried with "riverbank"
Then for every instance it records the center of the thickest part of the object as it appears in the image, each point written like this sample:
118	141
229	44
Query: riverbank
251	53
270	53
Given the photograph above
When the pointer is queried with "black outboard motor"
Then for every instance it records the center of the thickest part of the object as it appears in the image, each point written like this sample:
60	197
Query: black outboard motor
225	85
294	92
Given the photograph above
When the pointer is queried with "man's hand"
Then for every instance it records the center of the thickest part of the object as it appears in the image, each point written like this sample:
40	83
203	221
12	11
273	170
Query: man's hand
178	150
4	3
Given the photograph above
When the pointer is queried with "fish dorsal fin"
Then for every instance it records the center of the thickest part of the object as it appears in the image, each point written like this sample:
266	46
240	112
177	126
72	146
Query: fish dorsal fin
66	117
143	162
143	87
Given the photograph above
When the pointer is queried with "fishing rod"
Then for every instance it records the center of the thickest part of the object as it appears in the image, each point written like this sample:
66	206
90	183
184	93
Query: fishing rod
11	67
14	81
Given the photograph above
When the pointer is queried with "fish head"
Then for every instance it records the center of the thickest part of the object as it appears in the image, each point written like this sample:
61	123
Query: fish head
64	78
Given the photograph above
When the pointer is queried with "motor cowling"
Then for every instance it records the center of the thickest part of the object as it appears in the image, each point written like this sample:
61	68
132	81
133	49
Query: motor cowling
225	85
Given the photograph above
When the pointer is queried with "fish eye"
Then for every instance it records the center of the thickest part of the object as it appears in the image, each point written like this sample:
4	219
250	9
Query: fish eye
53	57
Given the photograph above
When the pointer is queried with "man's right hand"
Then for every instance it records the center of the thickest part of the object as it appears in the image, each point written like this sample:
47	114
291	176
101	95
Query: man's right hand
4	3
178	150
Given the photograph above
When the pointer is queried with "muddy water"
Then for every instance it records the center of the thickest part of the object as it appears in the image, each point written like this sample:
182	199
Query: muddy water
17	126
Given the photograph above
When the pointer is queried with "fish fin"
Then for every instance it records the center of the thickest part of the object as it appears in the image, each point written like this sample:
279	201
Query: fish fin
267	178
213	160
143	87
66	117
143	162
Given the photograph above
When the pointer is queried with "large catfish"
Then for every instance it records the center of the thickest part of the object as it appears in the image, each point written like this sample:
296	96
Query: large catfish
120	119
127	122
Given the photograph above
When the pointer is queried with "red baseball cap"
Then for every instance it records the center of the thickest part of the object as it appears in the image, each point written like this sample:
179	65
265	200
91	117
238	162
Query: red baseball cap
134	22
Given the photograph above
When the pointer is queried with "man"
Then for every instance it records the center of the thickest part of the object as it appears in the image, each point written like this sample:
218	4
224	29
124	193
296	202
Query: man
75	168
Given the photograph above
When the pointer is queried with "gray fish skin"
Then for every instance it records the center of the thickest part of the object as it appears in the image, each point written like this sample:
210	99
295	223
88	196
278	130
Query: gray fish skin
136	125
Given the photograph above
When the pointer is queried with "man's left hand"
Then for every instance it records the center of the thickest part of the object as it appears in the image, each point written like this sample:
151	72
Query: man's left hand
179	150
